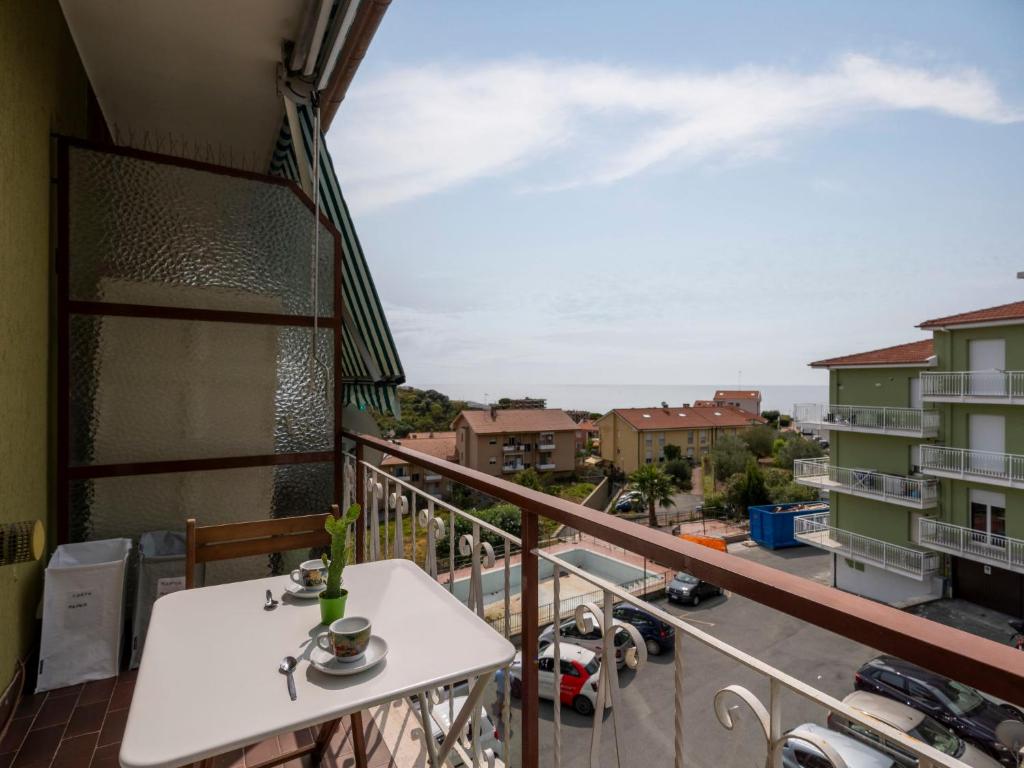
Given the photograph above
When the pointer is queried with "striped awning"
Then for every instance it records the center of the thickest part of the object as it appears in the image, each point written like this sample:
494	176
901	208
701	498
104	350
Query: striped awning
370	368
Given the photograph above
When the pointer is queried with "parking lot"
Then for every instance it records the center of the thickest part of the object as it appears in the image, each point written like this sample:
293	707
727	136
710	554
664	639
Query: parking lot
644	718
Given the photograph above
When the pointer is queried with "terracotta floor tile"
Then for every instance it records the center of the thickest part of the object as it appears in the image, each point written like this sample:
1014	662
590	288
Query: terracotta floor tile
15	734
97	690
113	727
68	690
122	696
106	757
55	711
76	752
265	750
30	704
86	718
290	741
39	747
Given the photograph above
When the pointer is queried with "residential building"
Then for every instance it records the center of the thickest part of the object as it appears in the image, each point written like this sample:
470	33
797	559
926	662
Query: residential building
503	441
745	399
927	462
632	437
587	433
440	445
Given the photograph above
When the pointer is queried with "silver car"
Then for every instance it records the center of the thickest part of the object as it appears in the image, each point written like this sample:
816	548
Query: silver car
913	723
797	753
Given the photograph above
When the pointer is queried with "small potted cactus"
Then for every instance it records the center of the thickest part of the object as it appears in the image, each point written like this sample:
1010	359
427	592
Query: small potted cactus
332	599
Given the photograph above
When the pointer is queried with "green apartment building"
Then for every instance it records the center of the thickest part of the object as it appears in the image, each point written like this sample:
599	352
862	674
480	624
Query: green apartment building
926	472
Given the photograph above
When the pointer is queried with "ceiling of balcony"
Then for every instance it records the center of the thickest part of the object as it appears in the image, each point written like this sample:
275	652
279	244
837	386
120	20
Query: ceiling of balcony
196	73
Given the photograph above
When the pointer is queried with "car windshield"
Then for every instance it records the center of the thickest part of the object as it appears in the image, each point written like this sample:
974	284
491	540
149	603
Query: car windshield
592	667
960	698
686	578
934	735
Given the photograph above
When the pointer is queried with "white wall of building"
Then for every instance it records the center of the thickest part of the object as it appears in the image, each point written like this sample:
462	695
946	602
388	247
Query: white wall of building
886	587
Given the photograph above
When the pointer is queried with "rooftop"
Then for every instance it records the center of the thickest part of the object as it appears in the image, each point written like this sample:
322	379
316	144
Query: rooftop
737	393
441	445
1002	313
700	417
914	353
517	420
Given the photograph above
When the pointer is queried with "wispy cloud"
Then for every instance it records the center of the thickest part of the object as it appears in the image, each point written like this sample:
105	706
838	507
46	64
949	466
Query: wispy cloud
416	131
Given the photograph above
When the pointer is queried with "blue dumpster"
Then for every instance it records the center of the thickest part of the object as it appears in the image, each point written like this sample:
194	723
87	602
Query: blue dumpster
771	525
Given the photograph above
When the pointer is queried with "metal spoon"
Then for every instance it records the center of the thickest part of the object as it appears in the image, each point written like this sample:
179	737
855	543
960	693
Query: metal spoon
271	602
288	664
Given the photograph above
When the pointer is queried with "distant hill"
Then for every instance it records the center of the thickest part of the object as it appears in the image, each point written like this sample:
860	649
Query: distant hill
423	410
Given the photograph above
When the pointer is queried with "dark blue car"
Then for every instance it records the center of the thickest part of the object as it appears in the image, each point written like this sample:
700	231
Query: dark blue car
658	636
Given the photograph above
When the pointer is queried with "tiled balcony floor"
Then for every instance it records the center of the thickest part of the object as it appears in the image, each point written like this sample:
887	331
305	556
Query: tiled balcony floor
81	727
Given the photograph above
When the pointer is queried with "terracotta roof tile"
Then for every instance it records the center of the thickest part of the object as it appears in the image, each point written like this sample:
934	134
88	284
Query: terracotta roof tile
737	394
507	420
702	417
914	353
441	446
1013	311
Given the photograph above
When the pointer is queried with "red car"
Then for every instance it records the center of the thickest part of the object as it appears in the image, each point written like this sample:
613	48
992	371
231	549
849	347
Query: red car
580	675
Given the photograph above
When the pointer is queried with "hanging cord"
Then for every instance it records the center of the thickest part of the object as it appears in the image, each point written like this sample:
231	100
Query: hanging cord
314	270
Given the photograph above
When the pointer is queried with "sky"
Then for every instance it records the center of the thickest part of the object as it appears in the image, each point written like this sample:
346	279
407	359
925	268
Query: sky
613	194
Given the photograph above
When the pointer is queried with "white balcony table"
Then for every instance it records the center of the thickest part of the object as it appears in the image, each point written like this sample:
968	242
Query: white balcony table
209	680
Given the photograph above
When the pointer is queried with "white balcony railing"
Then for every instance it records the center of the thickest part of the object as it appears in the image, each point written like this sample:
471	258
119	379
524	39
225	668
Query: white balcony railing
1005	469
395	508
514	448
983	547
546	465
918	493
509	468
546	446
973	386
907	561
907	422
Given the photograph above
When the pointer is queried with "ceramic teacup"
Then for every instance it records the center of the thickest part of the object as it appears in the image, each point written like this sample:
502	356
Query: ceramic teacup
347	638
310	574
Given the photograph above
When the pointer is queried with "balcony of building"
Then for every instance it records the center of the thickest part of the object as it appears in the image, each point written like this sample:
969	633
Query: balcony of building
972	544
913	492
546	441
998	387
510	467
875	420
1003	469
906	561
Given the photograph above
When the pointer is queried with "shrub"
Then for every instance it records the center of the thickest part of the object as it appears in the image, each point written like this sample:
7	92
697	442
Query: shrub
759	439
729	456
797	447
791	491
673	452
680	472
747	489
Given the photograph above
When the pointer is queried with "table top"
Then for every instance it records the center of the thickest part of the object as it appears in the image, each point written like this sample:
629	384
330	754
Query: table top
209	680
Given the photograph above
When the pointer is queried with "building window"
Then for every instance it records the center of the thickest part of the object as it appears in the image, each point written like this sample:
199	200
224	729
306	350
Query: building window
689	437
492	441
648	460
415	476
648	440
399	471
689	452
493	460
703	436
988	517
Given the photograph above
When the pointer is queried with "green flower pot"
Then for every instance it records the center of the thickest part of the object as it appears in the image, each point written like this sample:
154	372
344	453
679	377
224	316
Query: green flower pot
332	608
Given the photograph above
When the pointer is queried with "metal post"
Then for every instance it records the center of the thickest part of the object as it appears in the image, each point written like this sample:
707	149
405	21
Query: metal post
361	501
529	599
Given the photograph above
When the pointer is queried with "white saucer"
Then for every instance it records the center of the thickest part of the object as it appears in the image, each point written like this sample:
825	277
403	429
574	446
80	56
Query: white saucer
303	593
325	661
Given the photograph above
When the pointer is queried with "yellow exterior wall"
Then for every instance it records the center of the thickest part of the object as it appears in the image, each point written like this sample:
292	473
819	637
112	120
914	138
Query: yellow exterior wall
625	446
43	89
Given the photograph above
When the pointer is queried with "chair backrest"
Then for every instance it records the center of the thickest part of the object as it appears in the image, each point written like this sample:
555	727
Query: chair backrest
204	544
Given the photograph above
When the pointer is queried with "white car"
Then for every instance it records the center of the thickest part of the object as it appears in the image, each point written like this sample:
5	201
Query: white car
913	723
440	724
590	640
580	676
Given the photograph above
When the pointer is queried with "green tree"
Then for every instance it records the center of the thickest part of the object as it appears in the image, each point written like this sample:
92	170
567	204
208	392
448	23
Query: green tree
787	492
422	411
673	452
747	489
759	439
796	447
681	473
772	417
655	487
530	478
729	456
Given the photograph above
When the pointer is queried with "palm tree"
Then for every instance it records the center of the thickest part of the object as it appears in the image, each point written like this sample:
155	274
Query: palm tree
655	487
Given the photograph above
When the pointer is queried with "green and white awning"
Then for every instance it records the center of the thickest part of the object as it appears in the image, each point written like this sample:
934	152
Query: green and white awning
370	368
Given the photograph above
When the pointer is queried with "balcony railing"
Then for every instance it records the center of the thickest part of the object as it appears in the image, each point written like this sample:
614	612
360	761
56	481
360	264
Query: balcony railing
983	547
907	561
514	448
545	465
907	422
399	520
917	493
1005	469
973	386
510	468
546	446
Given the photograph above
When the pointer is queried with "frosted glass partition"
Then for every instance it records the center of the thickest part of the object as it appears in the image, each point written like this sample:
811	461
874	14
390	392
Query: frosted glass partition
144	232
187	359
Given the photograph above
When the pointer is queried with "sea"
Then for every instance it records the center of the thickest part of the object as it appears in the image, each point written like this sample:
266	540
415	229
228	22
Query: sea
601	398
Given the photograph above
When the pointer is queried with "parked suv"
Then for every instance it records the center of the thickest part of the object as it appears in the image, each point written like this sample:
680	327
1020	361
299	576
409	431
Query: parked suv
685	588
968	712
580	676
658	636
590	640
912	722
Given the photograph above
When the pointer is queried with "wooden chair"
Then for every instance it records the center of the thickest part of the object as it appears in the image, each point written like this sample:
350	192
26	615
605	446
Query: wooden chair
208	543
